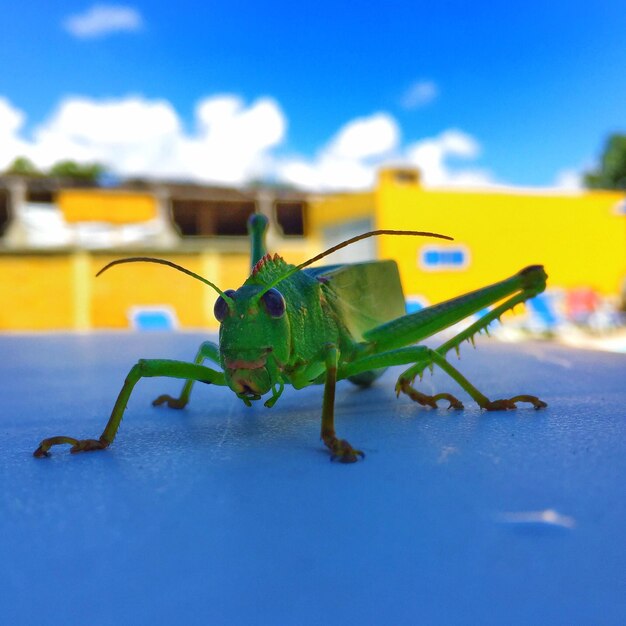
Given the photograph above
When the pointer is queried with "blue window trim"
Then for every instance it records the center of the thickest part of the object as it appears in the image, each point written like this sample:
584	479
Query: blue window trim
415	303
433	258
152	318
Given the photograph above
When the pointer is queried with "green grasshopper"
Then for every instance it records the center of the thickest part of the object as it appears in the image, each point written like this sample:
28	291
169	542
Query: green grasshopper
291	325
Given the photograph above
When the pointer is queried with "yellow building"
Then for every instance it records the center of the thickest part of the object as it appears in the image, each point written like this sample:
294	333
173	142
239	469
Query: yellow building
580	237
54	239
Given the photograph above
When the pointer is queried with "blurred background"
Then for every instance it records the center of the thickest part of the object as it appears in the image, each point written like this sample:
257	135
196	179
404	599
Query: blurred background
158	129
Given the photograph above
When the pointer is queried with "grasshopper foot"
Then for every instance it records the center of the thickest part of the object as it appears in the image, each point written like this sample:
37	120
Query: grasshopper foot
342	451
88	445
173	403
455	404
421	398
534	400
78	445
511	403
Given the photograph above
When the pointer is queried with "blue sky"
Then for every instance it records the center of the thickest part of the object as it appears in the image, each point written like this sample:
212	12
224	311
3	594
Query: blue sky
318	94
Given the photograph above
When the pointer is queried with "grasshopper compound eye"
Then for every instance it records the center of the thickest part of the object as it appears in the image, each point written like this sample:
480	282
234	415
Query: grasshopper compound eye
274	303
220	310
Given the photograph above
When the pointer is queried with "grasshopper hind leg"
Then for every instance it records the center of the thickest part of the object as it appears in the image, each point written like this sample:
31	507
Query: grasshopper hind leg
404	386
435	358
413	327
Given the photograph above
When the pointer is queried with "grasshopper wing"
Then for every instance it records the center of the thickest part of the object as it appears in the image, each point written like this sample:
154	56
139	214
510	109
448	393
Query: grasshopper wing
364	294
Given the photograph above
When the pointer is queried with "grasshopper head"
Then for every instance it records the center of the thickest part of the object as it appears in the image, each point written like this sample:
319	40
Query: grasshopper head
254	339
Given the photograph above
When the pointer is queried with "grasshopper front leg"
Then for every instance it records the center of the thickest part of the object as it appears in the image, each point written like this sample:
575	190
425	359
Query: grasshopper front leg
143	369
340	449
208	350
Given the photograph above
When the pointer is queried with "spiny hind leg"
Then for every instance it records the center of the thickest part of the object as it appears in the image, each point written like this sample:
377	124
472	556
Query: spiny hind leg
468	335
404	385
417	356
527	283
208	350
435	358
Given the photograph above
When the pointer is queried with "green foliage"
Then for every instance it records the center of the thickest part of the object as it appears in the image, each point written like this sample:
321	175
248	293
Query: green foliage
612	171
83	172
89	172
22	166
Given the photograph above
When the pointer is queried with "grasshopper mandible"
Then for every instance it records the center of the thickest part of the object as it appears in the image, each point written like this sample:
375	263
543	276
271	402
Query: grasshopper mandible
291	325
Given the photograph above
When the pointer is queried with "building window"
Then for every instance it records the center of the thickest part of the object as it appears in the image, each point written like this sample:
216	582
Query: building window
290	217
39	196
442	258
205	218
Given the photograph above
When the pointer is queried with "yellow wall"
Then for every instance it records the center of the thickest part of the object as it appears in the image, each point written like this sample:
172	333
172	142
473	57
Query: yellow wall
145	284
36	292
333	209
60	291
106	205
579	238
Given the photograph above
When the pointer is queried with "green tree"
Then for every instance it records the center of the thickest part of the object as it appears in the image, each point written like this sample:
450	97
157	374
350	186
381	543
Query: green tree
612	171
88	172
22	166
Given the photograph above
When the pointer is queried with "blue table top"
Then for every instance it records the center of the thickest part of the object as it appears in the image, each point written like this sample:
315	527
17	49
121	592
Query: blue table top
222	514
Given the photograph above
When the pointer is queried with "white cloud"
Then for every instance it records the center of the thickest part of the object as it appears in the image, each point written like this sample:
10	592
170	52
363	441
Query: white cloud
431	157
130	135
568	180
101	20
112	122
327	173
352	158
349	160
365	137
11	121
420	94
134	136
231	143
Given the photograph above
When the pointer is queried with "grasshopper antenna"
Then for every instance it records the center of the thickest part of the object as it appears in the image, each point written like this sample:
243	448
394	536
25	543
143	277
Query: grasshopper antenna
348	242
180	268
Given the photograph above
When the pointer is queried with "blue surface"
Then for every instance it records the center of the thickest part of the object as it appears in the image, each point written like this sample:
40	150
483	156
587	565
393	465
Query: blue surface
221	514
